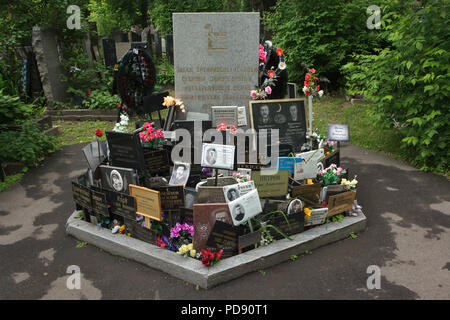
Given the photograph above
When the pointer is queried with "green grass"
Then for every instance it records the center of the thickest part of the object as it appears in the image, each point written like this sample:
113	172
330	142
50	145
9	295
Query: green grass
363	131
10	180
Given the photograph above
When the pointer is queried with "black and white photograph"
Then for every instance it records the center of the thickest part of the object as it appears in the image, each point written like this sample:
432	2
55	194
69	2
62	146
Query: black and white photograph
232	194
218	156
295	207
180	174
117	178
234	191
286	115
245	207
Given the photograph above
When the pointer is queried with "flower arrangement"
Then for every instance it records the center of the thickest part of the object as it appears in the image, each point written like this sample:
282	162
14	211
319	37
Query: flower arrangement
331	174
241	177
210	258
263	91
182	231
223	127
122	126
151	137
207	172
350	185
187	250
311	87
170	101
307	212
328	147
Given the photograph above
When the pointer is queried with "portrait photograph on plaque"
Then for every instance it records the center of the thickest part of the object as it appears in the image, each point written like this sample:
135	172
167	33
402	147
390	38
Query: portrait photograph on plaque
286	115
245	207
117	178
180	174
218	156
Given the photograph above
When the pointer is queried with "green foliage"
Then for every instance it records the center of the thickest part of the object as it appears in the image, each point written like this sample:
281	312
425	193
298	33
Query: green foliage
10	180
101	100
81	244
13	110
409	81
293	257
28	145
336	218
320	34
353	235
165	73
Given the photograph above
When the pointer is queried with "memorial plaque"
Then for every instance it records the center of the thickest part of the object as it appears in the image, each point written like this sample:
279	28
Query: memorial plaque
295	224
209	69
249	239
338	132
148	203
308	167
126	150
172	197
245	207
334	157
242	116
271	185
82	196
190	195
218	156
205	216
232	192
288	163
286	115
117	178
180	174
221	181
208	194
93	155
100	202
226	237
123	205
224	114
318	216
157	162
340	203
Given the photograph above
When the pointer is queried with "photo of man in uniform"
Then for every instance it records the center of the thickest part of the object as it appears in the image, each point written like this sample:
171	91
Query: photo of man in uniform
264	114
233	194
293	112
180	174
238	212
211	156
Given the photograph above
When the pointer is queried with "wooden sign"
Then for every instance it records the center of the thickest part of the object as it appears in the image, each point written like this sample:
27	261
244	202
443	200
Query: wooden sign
249	239
157	162
172	197
205	216
123	205
309	192
100	202
82	196
294	224
148	203
225	236
340	203
271	185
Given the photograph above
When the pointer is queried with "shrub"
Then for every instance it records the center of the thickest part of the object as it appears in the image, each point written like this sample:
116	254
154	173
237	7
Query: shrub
13	110
99	99
410	80
320	34
166	77
28	145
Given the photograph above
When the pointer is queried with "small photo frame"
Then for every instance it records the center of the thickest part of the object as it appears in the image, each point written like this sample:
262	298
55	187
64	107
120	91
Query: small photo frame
218	156
180	174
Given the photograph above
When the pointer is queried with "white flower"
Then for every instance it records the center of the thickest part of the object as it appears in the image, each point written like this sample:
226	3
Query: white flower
269	43
304	89
321	93
282	65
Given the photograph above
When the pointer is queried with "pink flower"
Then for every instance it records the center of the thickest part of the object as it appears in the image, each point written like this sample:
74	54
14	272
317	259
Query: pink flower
233	130
268	90
235	174
312	70
253	94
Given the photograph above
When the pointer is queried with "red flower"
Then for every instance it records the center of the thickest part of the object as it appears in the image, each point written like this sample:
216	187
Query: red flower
312	70
270	73
306	83
233	129
221	127
217	255
89	93
99	133
279	52
318	88
307	77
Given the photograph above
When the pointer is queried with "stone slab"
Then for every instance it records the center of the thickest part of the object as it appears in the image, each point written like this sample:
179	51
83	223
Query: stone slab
193	271
216	60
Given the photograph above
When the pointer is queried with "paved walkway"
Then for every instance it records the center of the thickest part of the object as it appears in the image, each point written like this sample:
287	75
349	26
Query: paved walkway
408	237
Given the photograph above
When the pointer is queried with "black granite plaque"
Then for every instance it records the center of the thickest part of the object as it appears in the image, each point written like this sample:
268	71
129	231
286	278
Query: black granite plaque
225	236
100	202
109	51
172	197
295	224
123	205
126	151
157	162
187	215
82	196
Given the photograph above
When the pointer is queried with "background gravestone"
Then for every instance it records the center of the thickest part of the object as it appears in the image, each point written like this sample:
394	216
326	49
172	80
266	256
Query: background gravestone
109	51
216	59
169	48
158	45
45	47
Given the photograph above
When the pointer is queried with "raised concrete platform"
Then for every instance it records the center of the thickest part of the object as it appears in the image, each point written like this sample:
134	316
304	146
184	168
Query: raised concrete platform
192	270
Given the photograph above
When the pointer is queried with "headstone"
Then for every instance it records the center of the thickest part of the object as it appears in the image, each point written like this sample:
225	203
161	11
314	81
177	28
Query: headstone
81	196
157	162
126	151
169	48
45	47
216	59
100	202
117	178
123	205
158	46
109	51
172	197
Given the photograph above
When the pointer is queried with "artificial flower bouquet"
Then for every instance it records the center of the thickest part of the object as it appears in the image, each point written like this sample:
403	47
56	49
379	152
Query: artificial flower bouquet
180	234
122	126
170	101
150	137
241	177
331	174
210	258
311	86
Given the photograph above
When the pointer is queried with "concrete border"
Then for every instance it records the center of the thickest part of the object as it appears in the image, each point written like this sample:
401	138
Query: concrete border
193	271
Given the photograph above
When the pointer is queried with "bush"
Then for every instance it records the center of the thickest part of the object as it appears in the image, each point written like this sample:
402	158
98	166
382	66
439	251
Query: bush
410	80
26	146
13	110
166	77
320	34
101	100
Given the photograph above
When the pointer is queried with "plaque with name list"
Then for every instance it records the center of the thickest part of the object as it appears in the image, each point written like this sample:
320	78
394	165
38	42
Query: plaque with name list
224	114
172	197
225	236
148	203
187	215
123	205
100	202
82	196
157	162
126	151
274	184
295	224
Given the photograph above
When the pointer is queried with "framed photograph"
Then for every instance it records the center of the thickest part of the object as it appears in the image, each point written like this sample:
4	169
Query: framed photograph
180	174
245	207
218	156
117	179
234	191
286	115
294	207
